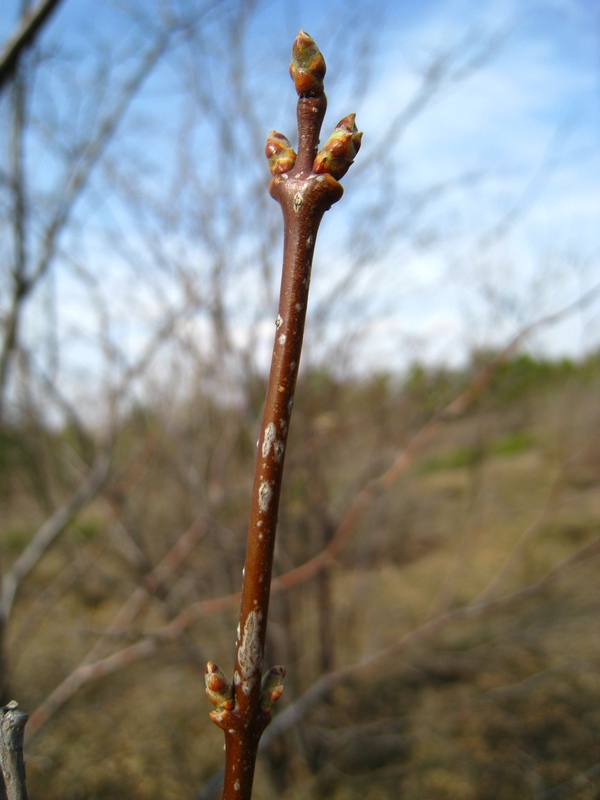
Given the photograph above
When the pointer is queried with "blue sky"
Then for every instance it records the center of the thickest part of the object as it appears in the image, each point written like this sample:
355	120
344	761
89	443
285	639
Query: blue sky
518	239
529	118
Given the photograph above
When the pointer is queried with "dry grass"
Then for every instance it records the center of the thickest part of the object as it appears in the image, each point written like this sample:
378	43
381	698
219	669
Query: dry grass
501	706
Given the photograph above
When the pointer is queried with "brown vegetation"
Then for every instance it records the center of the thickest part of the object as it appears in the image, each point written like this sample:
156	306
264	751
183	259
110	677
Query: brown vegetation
502	695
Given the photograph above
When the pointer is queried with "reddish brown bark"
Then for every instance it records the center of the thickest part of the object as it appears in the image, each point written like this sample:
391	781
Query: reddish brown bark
304	195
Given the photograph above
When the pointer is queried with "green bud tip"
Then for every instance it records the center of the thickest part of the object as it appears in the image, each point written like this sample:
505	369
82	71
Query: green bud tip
340	150
308	66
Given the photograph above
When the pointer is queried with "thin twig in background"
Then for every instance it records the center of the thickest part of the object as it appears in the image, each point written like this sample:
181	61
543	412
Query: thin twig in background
48	532
23	37
96	662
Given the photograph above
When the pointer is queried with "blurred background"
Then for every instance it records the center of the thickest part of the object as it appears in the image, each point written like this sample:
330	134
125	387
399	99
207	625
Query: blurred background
436	595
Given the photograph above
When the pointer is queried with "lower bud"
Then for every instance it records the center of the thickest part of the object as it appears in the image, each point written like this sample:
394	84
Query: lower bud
341	148
271	688
218	688
280	153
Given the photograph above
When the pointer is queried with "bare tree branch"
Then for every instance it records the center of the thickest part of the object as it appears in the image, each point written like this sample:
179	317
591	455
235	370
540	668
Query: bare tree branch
95	664
48	533
28	29
79	171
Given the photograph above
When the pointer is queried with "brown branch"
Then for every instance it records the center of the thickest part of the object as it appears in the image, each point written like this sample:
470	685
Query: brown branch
83	160
29	27
95	663
152	585
87	673
305	188
19	284
476	610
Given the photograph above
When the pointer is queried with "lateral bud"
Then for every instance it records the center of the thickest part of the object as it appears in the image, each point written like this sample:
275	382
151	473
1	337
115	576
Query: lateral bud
218	688
280	153
340	150
271	688
308	66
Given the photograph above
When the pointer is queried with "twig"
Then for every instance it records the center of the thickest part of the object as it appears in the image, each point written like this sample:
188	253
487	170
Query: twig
305	187
84	158
48	532
96	664
25	34
12	726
